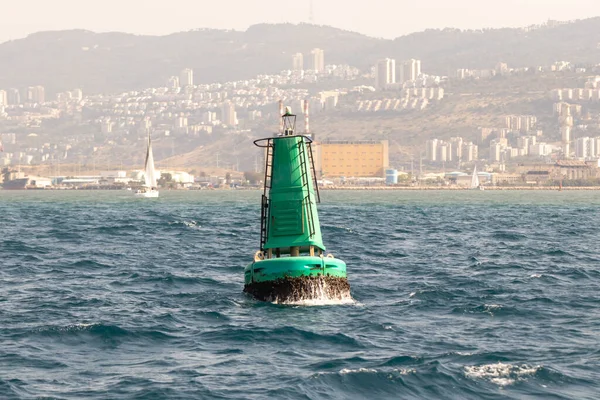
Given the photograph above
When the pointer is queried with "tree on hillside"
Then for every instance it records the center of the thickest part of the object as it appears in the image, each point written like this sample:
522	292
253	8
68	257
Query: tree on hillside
253	177
166	181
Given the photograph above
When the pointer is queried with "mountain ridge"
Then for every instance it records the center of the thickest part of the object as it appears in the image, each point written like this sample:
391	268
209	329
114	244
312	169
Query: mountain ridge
114	61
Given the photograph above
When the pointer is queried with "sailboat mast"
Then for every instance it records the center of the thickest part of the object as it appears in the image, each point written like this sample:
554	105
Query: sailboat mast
147	152
474	178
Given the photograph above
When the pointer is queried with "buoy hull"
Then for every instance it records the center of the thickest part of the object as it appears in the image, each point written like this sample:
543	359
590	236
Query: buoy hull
293	267
292	279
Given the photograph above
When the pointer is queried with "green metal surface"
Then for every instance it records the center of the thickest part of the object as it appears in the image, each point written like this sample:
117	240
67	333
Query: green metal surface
276	268
292	213
289	221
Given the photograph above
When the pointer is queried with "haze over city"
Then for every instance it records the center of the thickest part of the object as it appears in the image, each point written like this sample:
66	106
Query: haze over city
378	18
519	105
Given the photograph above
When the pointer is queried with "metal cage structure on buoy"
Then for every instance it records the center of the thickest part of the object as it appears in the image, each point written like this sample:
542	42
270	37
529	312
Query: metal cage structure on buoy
292	259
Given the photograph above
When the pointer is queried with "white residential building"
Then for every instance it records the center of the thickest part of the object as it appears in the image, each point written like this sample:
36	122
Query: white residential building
585	148
431	150
409	70
298	62
385	73
317	60
228	114
186	77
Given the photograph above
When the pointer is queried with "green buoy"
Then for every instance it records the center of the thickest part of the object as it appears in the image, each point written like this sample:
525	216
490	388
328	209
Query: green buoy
291	264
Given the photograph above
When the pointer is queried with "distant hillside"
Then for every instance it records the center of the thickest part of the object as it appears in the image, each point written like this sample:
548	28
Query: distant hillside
110	62
444	51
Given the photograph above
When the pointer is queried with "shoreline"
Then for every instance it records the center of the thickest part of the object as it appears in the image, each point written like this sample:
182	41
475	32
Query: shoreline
487	188
375	188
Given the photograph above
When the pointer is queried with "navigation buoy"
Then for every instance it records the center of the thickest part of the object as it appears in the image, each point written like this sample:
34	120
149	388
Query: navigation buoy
291	265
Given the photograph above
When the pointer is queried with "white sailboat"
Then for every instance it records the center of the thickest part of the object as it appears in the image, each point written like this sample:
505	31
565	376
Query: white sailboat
475	180
150	187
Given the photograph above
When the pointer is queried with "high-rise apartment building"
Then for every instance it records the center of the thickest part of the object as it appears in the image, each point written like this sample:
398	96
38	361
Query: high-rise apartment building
431	150
330	102
497	150
14	97
298	62
565	133
409	70
228	114
540	149
77	95
3	98
513	122
106	126
385	73
454	150
585	147
456	144
524	143
30	94
40	94
181	121
209	117
444	152
502	68
522	123
173	82
186	77
317	60
469	151
36	94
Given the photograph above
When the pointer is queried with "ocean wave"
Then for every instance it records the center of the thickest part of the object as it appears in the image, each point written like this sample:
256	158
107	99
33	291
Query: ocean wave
369	383
501	374
280	335
326	228
188	224
12	389
33	361
80	265
22	247
400	360
116	230
98	330
494	310
320	301
173	279
508	236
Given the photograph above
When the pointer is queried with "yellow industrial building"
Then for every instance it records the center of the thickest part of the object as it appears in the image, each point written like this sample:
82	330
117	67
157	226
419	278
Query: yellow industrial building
364	158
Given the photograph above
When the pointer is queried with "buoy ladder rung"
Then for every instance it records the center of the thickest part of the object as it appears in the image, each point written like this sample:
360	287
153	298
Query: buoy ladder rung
269	166
304	176
314	173
264	210
264	222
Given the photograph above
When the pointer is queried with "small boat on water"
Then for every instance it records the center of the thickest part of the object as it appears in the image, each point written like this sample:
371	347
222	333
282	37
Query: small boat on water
150	186
475	184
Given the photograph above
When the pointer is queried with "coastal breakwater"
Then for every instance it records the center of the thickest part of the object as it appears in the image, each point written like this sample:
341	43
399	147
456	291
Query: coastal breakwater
417	188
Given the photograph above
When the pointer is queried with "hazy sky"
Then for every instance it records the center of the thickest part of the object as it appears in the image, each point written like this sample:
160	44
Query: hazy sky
382	18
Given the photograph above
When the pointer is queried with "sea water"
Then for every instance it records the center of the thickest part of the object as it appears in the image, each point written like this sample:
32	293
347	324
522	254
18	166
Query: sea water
455	295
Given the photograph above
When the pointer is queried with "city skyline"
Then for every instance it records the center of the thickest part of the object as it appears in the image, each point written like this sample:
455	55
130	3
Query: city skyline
378	18
448	118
